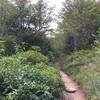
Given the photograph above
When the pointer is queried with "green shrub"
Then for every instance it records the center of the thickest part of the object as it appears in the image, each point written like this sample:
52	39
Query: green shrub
2	50
32	57
36	48
8	48
51	56
81	58
9	45
28	81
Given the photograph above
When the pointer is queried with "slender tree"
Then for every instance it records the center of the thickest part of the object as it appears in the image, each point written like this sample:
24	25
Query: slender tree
41	17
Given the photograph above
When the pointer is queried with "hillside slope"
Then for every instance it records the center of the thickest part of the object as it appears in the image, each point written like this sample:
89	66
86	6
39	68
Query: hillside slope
84	67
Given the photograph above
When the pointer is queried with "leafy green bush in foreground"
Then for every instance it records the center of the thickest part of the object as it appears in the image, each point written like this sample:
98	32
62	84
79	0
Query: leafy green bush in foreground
26	76
84	67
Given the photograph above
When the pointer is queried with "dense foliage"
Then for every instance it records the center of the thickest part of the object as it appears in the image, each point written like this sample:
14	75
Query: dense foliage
27	76
26	23
84	67
79	21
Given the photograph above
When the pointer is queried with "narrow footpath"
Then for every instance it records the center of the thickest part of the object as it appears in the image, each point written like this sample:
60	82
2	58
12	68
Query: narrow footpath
72	90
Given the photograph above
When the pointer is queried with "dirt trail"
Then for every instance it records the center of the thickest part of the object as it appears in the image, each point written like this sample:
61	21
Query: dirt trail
72	89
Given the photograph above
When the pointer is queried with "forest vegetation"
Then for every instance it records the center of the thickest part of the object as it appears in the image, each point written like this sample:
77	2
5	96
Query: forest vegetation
28	57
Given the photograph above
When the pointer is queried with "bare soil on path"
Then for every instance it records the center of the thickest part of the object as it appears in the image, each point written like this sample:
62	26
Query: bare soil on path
72	90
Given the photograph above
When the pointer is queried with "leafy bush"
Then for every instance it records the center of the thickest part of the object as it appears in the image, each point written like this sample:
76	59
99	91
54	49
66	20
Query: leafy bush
32	57
51	56
9	48
36	48
83	57
2	50
22	80
98	35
